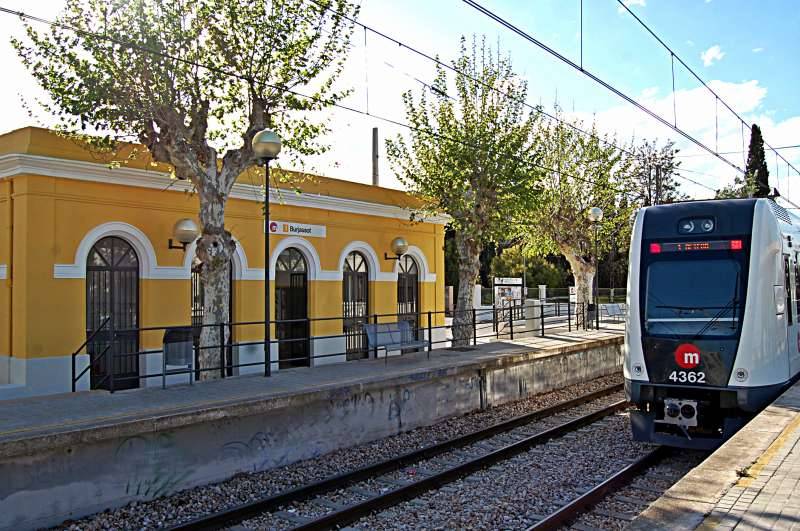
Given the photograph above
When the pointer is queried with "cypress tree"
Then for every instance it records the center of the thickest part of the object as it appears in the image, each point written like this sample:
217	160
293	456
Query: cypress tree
756	172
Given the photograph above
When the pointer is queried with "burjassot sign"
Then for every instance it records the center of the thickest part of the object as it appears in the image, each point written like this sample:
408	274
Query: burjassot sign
296	229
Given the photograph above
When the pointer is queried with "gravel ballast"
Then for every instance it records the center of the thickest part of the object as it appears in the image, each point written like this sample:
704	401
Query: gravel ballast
243	488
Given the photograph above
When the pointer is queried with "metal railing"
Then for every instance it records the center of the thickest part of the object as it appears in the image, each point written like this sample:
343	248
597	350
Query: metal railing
475	327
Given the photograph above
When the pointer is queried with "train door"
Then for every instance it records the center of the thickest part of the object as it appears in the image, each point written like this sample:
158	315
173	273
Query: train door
790	283
794	339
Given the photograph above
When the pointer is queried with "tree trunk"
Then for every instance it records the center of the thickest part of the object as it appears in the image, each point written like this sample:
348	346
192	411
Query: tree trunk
468	267
583	272
214	249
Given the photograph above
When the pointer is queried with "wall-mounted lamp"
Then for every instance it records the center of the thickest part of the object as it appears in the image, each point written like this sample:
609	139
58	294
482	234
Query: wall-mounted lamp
399	247
185	231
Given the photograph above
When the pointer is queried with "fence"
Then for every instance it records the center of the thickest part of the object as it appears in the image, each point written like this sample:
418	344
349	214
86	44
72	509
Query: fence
294	345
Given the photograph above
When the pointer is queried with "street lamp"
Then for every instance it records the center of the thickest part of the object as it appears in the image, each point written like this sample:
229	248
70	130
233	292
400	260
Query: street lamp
595	217
266	147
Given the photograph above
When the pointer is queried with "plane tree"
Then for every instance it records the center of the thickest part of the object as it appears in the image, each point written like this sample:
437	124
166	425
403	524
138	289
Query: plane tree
584	171
193	81
470	154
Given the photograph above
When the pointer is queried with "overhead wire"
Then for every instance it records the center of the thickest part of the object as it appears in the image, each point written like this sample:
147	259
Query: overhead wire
450	67
508	25
696	76
235	75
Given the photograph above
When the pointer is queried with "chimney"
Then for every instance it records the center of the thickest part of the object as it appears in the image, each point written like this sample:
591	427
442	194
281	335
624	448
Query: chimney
375	156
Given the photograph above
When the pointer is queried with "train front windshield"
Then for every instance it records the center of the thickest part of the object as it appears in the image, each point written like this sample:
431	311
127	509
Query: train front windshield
694	297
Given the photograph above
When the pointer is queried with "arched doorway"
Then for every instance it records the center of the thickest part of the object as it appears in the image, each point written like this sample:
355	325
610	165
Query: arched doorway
291	304
408	294
355	304
198	311
112	303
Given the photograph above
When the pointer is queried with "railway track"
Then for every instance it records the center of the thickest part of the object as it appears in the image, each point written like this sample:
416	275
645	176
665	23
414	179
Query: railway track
616	501
342	499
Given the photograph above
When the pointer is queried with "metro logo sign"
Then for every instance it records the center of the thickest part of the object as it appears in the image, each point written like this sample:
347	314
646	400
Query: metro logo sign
687	356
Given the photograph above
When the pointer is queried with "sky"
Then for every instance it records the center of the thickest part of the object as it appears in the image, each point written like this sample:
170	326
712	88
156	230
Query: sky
745	51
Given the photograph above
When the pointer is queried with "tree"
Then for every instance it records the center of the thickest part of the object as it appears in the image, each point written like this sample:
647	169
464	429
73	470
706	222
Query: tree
191	81
537	269
466	156
587	171
756	171
755	182
654	174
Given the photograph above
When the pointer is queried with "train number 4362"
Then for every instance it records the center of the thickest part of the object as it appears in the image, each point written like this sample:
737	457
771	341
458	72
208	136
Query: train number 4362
687	376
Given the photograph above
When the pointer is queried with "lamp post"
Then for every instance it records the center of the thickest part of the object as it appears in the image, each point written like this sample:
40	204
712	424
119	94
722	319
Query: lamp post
595	217
266	147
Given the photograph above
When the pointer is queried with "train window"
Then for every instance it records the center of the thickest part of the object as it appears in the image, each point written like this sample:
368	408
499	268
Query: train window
787	282
702	297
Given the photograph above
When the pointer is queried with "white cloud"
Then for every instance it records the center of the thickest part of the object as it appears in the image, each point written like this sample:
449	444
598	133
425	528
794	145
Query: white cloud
631	3
698	116
690	42
758	50
714	53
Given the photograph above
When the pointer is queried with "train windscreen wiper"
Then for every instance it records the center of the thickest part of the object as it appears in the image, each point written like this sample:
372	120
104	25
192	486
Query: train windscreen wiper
731	305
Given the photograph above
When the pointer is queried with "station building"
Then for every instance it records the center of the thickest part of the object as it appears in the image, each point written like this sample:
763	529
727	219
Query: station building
81	240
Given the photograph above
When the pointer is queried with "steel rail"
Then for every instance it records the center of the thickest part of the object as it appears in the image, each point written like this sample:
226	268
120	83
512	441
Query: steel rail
353	512
582	504
237	514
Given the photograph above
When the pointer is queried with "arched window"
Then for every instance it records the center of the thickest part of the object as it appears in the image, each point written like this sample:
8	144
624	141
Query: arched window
355	304
291	306
112	303
408	292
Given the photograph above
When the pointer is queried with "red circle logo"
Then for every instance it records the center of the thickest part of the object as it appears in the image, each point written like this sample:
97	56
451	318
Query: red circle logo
687	356
273	226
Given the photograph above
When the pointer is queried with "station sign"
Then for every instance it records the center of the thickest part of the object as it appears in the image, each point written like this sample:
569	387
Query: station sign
505	281
297	229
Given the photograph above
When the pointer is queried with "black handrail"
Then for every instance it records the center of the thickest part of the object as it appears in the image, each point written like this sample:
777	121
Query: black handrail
78	350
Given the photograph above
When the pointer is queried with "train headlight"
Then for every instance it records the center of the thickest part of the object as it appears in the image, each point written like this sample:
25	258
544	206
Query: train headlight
687	226
688	411
638	369
741	375
707	225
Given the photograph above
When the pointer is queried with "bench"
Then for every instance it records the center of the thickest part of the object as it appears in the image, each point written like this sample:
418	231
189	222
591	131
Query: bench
392	336
614	310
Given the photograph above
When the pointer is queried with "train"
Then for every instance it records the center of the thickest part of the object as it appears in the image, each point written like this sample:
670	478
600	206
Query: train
712	333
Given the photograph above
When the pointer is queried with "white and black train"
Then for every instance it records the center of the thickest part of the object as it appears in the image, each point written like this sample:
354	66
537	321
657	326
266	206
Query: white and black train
712	334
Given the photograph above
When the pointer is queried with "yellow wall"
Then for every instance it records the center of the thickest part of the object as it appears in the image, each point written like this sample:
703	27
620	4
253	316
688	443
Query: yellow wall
52	215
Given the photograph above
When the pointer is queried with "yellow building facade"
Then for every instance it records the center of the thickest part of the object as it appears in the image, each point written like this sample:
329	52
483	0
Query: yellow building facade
61	209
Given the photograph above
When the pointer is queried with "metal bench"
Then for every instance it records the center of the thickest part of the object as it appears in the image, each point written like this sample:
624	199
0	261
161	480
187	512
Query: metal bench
392	336
614	311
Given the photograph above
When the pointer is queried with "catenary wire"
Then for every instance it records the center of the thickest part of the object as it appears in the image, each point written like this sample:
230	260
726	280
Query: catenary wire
235	75
696	76
473	79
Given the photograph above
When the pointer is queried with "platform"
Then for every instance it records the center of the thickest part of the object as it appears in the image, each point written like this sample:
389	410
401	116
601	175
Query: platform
750	482
92	450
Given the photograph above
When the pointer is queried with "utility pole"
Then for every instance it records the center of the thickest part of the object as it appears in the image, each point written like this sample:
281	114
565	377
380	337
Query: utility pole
375	156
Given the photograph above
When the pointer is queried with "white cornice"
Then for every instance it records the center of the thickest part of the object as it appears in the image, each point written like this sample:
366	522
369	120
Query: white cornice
15	164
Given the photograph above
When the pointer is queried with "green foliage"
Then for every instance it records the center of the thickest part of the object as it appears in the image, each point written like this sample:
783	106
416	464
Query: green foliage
755	182
538	269
588	171
469	154
756	170
162	72
653	174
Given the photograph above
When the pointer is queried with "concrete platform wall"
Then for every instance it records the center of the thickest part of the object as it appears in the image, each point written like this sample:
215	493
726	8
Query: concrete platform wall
43	487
